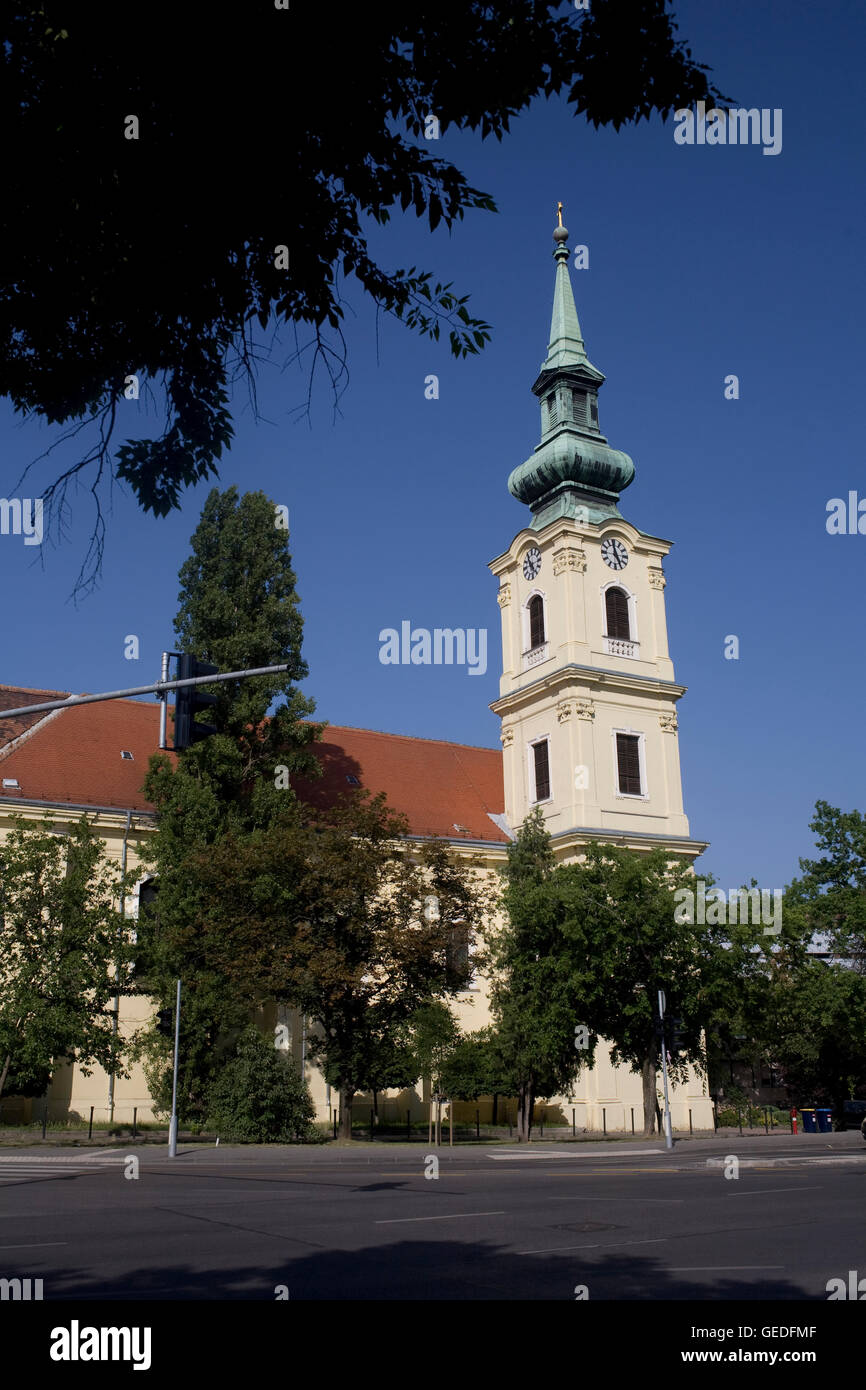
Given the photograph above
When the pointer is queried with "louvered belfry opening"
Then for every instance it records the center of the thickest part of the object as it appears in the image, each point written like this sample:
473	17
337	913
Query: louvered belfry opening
628	764
536	621
616	608
542	771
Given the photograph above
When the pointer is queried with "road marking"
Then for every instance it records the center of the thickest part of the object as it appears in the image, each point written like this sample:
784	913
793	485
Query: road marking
607	1245
696	1269
519	1154
40	1245
763	1191
47	1162
579	1197
456	1216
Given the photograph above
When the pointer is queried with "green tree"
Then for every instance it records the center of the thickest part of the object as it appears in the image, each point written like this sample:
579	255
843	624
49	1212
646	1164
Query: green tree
833	887
639	942
795	1012
166	246
815	1024
259	1096
538	957
237	608
326	911
64	952
587	946
474	1067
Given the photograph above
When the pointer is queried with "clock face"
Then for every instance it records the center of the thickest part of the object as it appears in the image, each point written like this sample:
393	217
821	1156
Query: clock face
531	563
614	554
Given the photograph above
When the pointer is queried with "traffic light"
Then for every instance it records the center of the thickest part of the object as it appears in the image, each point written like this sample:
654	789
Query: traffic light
676	1036
164	1024
189	700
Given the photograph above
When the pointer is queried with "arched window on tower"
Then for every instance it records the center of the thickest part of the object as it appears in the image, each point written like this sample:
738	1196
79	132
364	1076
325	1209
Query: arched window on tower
616	609
536	622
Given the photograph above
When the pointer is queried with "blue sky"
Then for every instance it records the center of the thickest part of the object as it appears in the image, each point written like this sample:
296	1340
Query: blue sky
703	262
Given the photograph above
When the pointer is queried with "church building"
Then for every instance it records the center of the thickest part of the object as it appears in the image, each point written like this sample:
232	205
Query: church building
587	704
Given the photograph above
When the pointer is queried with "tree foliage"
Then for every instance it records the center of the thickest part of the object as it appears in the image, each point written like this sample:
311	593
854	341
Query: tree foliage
160	255
833	886
538	957
259	1096
588	945
324	911
237	608
64	951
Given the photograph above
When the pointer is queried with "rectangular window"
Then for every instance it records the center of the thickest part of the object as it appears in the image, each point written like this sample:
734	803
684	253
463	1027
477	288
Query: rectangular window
628	764
536	621
459	966
551	410
578	406
593	411
542	771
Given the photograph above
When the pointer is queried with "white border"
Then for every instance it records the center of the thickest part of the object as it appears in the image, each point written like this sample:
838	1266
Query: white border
632	611
530	767
641	752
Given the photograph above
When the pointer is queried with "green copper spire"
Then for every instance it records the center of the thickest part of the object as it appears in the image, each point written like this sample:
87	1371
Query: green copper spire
566	348
572	473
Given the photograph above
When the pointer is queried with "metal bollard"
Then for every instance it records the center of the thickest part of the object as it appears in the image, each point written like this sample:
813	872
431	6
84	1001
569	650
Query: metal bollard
90	1126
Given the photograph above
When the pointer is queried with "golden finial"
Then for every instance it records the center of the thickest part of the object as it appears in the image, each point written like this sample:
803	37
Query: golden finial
559	213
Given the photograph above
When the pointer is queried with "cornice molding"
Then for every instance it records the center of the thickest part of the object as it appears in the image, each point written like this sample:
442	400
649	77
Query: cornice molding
594	676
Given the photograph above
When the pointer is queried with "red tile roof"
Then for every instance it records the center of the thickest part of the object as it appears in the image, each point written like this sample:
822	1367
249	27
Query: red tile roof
73	756
446	789
13	697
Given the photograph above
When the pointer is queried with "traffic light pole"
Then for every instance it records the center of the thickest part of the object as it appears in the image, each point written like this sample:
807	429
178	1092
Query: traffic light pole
669	1140
158	688
172	1129
163	709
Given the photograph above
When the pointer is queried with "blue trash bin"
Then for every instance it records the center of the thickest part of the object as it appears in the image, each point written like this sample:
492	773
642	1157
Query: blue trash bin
824	1118
809	1126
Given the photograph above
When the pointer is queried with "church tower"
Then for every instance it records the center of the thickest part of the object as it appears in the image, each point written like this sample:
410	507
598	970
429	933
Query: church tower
587	697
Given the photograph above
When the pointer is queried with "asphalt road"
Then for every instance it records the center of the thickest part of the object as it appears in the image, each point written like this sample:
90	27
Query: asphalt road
625	1221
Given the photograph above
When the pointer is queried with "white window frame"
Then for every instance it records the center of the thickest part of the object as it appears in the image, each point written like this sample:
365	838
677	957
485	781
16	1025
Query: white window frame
535	593
631	599
641	752
530	765
632	609
472	985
